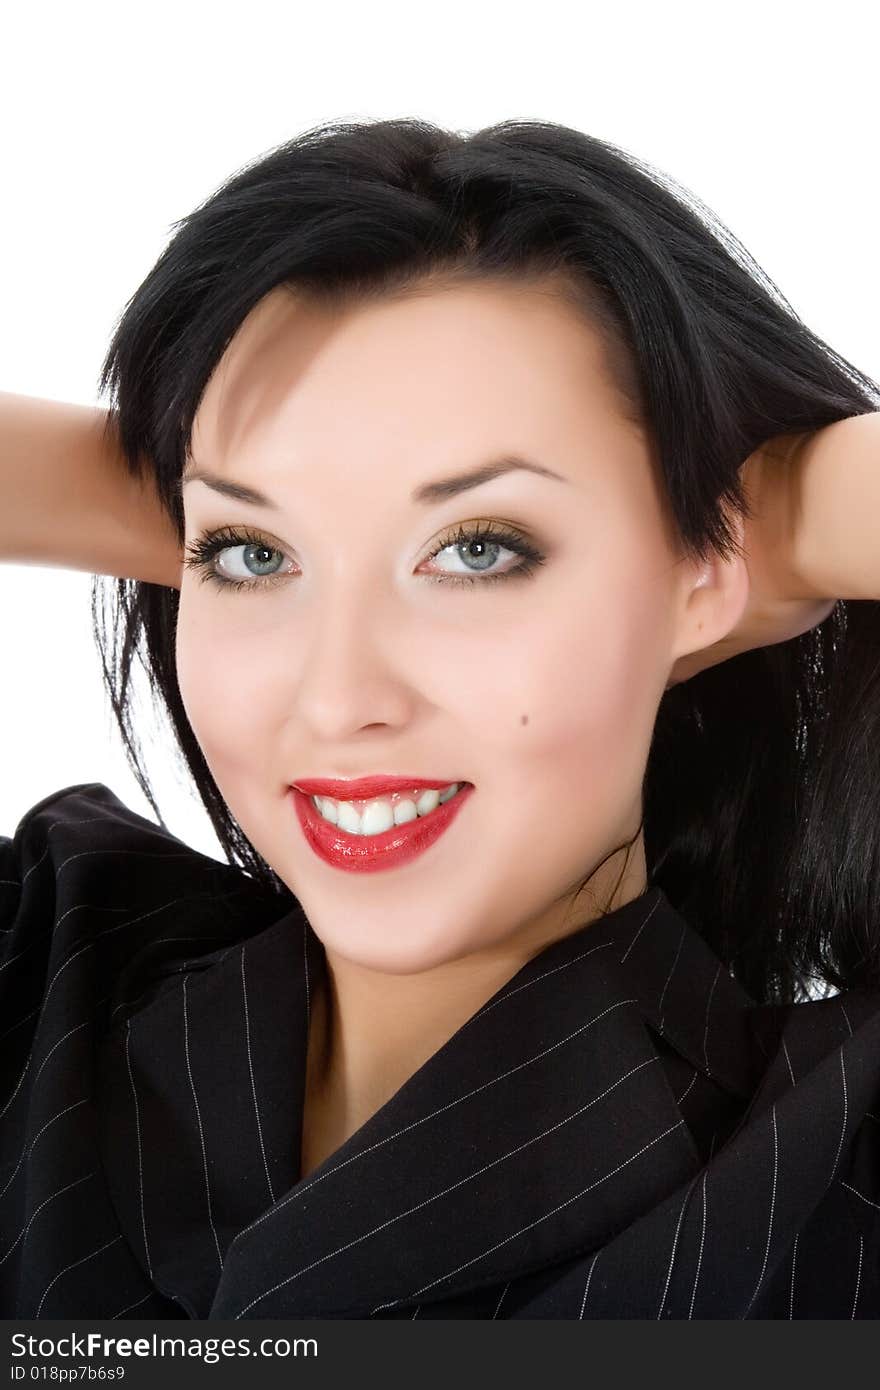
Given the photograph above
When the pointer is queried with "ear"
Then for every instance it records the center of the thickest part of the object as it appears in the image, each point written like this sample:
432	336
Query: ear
712	598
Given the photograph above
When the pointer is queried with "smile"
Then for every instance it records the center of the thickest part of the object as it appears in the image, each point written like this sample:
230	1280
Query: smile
382	812
386	832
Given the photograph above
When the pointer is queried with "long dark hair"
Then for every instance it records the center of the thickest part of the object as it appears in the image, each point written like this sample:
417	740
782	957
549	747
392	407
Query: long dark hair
762	788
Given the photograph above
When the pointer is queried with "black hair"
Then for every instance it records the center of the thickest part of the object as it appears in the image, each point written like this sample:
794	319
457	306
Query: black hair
760	794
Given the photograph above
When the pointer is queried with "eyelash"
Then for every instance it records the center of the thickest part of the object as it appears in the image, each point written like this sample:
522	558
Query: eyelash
200	553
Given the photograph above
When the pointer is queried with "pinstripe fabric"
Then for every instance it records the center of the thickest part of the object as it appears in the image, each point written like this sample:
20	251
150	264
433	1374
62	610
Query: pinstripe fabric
618	1132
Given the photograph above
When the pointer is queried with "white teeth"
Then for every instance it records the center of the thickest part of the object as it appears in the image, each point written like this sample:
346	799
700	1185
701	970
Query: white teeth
382	813
428	801
328	807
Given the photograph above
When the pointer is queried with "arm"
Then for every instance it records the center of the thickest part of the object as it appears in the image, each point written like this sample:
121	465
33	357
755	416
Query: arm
811	539
68	501
836	509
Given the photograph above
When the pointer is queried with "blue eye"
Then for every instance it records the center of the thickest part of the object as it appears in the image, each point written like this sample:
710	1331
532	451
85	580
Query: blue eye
487	538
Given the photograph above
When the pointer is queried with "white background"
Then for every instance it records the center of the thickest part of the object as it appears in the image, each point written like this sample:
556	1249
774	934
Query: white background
117	120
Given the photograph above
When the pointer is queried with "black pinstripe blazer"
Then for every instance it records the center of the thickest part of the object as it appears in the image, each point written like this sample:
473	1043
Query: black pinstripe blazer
619	1132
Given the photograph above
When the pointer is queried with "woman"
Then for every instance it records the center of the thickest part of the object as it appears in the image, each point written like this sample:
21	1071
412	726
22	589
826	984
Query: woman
507	1002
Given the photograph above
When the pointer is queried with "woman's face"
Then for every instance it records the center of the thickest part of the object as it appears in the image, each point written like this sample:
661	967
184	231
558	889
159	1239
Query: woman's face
539	687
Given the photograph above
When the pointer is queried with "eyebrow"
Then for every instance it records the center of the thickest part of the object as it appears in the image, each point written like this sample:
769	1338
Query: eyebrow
426	494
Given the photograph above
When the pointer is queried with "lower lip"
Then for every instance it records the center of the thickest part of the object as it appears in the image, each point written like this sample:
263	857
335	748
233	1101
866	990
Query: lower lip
364	854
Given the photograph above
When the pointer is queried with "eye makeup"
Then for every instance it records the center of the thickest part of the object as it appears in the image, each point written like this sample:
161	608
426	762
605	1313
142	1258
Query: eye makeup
203	551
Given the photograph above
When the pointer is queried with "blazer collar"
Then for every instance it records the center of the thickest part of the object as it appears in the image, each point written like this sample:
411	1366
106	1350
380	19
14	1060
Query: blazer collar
544	1125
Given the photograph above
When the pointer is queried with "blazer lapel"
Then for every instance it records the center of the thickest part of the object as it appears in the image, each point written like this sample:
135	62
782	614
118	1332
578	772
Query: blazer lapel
714	1246
200	1104
544	1127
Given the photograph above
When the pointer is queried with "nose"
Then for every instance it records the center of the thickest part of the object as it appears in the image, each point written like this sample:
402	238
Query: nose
355	672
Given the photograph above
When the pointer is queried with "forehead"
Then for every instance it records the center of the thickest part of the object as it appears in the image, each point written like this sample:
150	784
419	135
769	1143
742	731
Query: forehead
431	365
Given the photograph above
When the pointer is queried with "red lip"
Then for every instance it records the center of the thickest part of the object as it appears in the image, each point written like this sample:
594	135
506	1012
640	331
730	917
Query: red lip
363	788
367	853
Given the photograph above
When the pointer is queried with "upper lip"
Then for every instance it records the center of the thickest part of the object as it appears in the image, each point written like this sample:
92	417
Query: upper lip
362	788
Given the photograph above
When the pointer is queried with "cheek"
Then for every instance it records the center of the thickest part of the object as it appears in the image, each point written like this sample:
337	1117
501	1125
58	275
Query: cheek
578	700
226	688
